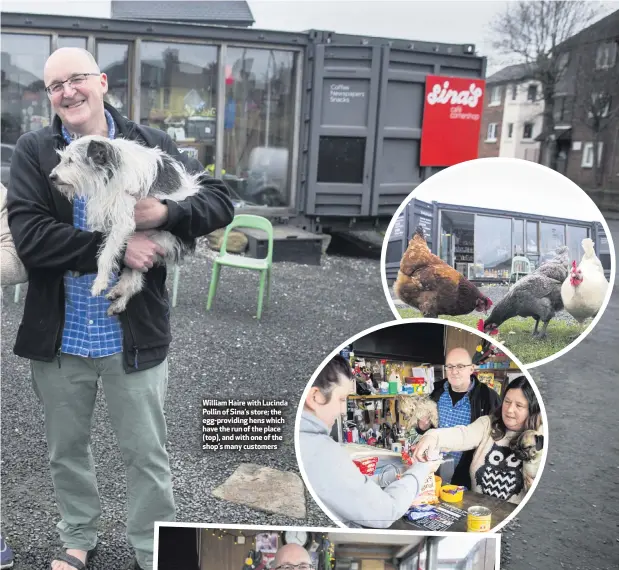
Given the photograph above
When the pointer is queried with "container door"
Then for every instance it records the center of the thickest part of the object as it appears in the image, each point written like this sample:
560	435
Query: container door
396	167
343	129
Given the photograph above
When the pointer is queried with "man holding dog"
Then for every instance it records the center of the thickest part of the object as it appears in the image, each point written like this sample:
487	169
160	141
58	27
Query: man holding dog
461	399
67	334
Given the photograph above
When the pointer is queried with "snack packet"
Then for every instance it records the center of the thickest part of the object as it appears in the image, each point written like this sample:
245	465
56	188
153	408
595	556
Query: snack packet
427	495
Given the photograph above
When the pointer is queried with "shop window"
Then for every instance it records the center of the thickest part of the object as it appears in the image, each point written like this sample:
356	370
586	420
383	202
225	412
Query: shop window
113	60
552	236
532	242
493	246
341	160
71	41
25	105
575	235
259	123
518	237
179	95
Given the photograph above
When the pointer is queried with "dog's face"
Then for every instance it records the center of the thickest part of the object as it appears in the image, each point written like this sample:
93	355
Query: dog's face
528	445
86	165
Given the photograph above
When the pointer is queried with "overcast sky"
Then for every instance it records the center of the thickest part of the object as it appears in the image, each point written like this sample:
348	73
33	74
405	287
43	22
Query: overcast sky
445	21
506	184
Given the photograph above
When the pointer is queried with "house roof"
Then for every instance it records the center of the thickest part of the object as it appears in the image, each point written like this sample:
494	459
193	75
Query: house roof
605	29
220	12
517	72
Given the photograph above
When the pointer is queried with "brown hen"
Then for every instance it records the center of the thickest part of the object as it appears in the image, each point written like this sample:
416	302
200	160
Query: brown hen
430	285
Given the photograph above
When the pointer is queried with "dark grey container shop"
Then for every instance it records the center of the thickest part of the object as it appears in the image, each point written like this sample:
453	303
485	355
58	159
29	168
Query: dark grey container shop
331	137
481	242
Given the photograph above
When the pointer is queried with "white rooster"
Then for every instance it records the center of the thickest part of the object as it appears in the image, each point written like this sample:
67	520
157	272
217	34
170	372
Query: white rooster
584	290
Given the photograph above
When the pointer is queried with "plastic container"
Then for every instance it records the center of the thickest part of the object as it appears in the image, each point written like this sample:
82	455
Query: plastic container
451	494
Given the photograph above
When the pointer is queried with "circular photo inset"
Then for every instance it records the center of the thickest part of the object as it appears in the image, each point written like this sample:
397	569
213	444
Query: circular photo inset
421	425
506	246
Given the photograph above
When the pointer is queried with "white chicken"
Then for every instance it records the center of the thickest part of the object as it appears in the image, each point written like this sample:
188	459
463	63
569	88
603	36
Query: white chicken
584	290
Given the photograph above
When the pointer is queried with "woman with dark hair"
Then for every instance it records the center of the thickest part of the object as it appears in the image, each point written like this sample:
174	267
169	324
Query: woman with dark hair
507	444
352	498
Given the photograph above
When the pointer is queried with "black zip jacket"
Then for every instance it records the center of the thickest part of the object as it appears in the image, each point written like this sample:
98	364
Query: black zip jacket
484	400
41	222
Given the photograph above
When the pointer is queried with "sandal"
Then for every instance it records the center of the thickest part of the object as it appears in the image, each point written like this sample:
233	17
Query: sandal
76	562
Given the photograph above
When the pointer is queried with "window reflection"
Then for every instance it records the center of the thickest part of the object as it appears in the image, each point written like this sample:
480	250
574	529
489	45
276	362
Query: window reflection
518	237
71	41
179	95
552	236
113	60
575	235
25	106
493	246
259	120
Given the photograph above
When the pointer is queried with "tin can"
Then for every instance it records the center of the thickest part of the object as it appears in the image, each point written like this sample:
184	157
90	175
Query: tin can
478	519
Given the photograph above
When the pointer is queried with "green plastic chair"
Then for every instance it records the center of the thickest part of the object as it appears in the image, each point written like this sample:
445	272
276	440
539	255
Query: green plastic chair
251	263
521	266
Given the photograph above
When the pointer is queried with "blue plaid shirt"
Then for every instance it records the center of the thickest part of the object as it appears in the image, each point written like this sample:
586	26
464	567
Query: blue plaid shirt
451	416
88	331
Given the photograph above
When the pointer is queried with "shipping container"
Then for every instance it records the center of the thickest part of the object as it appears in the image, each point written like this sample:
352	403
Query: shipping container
481	243
319	129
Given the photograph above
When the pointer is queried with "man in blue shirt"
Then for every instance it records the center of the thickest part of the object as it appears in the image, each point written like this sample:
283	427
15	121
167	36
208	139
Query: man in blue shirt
461	400
66	333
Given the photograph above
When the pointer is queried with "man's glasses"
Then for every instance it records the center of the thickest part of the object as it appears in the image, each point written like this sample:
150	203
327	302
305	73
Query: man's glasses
74	81
303	566
451	367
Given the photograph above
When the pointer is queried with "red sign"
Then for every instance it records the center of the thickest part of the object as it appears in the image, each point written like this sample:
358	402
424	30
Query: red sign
451	120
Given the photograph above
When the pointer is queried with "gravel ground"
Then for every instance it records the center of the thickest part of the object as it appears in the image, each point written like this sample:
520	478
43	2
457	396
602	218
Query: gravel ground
221	354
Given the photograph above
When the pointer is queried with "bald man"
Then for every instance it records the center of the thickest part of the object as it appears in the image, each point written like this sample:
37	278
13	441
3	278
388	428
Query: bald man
292	555
461	399
67	334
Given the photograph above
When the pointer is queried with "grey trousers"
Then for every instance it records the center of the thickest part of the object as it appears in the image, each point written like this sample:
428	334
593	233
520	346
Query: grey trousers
135	405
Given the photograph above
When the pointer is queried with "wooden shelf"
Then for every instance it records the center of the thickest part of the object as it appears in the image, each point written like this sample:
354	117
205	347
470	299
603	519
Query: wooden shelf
379	396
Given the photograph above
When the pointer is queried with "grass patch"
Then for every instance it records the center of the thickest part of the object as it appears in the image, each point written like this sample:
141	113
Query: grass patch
515	334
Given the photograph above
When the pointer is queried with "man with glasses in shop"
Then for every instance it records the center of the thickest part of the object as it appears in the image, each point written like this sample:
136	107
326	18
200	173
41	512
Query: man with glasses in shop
461	400
66	333
292	557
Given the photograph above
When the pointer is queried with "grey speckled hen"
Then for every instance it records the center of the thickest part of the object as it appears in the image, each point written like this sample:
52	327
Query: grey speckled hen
537	295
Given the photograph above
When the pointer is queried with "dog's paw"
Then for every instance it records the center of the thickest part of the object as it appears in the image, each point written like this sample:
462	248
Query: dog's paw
115	293
98	287
118	306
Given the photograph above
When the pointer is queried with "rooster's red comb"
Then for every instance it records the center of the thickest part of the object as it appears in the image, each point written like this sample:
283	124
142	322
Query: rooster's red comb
573	264
480	325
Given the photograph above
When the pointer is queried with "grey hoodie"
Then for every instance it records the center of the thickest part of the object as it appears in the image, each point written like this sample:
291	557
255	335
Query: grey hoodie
350	496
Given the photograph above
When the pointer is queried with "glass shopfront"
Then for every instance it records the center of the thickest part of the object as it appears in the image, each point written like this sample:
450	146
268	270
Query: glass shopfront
25	106
113	60
179	95
259	123
493	246
575	235
552	236
176	86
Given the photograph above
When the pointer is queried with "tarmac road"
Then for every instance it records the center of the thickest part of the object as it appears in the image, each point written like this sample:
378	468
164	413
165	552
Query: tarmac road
572	520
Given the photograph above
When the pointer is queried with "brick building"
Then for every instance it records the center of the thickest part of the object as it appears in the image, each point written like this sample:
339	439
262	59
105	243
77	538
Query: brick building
587	107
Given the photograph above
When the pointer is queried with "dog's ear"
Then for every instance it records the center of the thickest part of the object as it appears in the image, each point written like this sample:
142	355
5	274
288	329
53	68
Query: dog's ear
539	442
99	152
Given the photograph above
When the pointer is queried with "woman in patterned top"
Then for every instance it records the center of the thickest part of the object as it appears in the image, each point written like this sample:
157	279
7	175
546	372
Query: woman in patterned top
507	444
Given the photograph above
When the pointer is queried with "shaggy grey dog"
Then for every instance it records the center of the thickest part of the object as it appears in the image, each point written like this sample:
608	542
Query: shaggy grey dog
113	175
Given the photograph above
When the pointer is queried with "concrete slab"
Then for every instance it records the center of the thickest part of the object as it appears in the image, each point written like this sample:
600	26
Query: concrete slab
265	489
